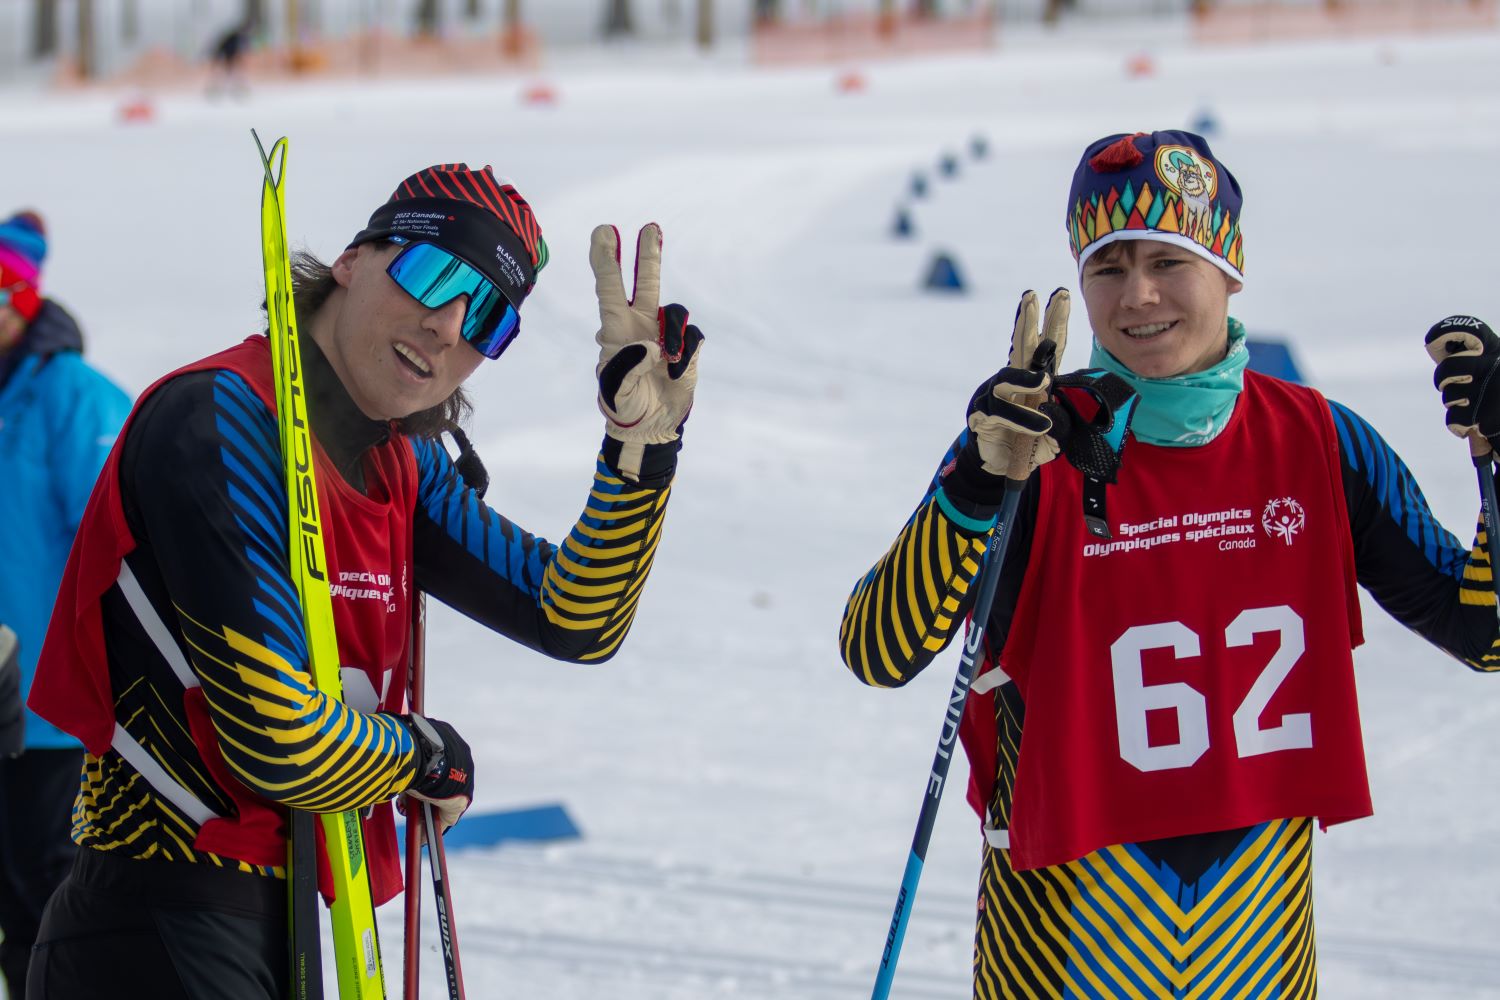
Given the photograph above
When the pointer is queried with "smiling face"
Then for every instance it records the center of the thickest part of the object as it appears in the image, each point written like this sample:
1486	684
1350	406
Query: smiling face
394	356
1160	309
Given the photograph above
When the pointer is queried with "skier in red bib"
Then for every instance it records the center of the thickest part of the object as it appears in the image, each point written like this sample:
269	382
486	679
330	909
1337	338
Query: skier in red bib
177	654
1162	713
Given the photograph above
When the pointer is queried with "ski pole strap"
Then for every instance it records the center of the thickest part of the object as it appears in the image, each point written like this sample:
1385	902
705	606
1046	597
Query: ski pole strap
432	760
470	467
1093	443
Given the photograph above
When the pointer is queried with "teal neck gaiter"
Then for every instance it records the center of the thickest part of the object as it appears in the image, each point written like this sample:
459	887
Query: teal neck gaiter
1184	410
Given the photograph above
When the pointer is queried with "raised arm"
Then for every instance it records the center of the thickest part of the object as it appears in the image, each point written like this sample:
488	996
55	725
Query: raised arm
906	609
573	601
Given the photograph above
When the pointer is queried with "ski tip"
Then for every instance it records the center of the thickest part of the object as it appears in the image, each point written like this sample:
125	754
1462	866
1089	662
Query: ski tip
273	162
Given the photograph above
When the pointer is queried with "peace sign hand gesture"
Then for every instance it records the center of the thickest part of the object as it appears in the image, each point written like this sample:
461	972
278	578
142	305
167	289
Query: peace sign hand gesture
648	356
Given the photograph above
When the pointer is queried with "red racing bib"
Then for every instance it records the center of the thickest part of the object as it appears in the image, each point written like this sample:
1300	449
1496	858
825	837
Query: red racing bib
1194	673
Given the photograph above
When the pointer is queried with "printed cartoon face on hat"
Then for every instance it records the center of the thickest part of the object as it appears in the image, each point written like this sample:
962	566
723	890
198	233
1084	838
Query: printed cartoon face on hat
1181	170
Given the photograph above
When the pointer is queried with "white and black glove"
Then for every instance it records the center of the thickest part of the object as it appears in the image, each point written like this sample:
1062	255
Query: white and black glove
1009	429
445	768
648	356
1467	353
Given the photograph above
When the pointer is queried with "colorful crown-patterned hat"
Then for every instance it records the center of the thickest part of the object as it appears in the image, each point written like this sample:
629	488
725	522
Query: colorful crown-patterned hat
1156	186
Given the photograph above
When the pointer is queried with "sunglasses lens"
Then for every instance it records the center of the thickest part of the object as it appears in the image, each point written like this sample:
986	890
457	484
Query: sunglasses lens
491	326
434	277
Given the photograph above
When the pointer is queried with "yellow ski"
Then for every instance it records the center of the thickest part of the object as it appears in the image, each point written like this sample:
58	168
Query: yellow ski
355	943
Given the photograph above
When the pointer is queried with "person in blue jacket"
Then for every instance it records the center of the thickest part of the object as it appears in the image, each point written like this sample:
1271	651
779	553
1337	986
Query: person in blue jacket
58	420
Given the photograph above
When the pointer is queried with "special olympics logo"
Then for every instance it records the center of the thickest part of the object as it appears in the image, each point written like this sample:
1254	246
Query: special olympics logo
1283	519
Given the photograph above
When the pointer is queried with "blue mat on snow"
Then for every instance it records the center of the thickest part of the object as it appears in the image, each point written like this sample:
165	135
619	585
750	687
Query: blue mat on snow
548	822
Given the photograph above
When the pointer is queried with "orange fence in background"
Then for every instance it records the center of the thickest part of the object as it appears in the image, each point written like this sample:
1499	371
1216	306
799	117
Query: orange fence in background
1272	21
869	36
374	54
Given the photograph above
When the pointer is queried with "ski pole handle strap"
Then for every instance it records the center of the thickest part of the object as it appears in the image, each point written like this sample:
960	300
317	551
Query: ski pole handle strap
445	774
429	744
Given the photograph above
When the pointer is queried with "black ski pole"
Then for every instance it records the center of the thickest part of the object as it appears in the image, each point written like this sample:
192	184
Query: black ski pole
1485	466
443	900
989	579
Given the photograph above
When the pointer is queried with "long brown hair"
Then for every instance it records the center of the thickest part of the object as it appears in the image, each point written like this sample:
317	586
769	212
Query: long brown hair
312	283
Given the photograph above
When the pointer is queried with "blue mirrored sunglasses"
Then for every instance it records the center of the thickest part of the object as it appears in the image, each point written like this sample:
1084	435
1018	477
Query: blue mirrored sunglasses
435	277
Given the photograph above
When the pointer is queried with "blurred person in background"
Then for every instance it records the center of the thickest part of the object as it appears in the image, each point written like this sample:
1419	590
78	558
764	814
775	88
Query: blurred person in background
1162	711
58	419
226	72
178	653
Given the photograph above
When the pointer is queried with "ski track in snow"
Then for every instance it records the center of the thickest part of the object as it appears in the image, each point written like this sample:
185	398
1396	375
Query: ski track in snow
568	879
796	940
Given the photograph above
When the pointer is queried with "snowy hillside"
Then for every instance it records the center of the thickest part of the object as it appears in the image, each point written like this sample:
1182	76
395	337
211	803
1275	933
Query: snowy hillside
747	805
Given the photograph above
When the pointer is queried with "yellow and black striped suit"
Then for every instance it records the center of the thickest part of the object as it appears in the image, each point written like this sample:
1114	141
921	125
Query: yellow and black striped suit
1217	915
203	493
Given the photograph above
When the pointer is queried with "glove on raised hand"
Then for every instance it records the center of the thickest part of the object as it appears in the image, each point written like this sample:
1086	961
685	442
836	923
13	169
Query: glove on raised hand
1467	353
445	768
648	356
1009	427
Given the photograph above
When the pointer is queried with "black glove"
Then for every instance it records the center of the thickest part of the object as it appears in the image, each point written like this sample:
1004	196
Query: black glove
445	768
1009	428
1467	353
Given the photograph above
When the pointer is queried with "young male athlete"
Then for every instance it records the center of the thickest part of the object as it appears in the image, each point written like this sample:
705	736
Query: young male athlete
1163	712
176	652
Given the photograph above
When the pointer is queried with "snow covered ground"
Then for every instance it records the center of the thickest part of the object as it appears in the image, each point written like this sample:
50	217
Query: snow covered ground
748	806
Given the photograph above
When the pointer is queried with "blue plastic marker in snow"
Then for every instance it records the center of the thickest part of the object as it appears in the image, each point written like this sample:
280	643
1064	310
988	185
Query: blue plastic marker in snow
902	228
943	274
948	740
540	823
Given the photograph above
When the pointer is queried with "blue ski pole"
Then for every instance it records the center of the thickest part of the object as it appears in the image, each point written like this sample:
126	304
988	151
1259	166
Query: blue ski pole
989	579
